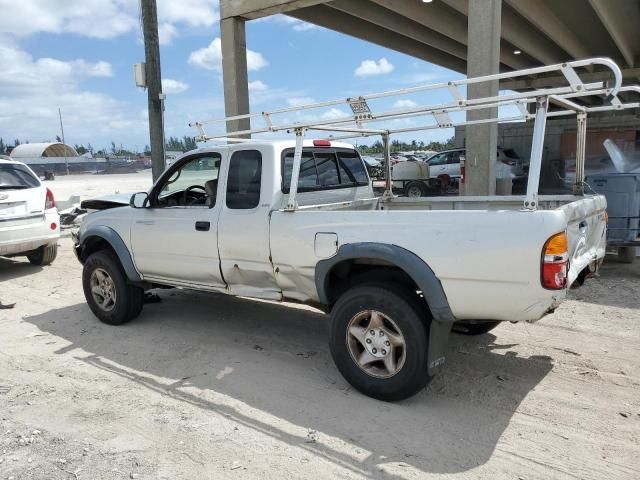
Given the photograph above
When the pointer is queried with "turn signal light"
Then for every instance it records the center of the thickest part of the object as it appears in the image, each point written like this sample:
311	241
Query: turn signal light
555	262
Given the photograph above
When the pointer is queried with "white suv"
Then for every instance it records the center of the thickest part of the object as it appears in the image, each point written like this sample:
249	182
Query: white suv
448	163
29	221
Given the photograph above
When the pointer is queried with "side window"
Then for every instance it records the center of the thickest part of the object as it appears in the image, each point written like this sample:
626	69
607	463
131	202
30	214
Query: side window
453	157
193	183
439	159
243	184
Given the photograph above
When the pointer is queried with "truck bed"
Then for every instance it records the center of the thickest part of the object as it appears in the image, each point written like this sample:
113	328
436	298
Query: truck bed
486	251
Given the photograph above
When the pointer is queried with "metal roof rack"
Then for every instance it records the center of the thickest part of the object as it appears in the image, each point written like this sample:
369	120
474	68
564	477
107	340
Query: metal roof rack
358	123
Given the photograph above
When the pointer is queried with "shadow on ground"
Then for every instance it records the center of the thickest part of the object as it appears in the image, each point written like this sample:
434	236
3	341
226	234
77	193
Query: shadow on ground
616	285
275	358
11	268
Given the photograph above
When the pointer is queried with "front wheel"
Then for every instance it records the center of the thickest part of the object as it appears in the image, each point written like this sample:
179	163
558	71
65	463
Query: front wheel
379	341
109	296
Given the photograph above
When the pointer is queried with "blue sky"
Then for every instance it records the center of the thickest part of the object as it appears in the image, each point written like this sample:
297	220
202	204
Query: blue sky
78	55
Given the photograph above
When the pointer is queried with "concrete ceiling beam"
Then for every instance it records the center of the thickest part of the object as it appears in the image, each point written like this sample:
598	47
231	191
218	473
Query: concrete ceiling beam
621	19
333	19
252	9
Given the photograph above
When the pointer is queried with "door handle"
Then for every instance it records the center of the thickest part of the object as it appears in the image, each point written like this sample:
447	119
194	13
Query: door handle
145	222
583	224
203	226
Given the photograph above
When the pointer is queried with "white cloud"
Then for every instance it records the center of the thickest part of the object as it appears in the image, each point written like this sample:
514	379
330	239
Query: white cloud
173	86
166	33
31	90
334	113
297	101
101	18
210	58
258	86
297	25
370	67
405	104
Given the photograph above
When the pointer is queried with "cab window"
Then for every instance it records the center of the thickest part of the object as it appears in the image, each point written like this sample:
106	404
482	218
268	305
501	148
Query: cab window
193	183
245	176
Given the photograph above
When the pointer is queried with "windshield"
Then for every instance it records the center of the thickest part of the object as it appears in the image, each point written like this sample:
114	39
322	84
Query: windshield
15	176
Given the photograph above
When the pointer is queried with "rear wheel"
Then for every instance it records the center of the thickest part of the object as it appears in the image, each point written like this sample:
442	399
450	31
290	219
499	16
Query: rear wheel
379	341
479	328
109	295
44	255
414	189
627	254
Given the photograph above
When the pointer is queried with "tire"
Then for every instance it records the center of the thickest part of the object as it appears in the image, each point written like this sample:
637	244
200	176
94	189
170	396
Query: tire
104	271
44	255
466	328
400	313
627	254
414	190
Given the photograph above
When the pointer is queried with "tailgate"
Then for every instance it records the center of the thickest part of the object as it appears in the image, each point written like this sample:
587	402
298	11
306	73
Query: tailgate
22	206
587	232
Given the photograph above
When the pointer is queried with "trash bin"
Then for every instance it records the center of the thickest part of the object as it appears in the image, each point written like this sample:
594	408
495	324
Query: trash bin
622	191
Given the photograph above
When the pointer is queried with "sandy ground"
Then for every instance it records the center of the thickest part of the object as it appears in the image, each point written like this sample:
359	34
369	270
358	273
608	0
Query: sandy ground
211	387
90	186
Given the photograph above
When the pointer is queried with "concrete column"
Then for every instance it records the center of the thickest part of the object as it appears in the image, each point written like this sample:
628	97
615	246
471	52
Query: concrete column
234	71
483	58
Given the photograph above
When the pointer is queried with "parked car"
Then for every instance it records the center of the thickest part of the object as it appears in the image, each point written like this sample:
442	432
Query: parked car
374	166
395	278
441	172
29	221
448	163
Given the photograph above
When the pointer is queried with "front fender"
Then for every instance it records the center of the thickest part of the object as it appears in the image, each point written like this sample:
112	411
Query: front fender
110	236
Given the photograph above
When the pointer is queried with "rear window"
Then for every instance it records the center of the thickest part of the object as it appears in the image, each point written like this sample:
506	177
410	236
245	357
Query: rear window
16	176
323	169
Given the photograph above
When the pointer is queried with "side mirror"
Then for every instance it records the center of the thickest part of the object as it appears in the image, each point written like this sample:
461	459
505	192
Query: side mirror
139	200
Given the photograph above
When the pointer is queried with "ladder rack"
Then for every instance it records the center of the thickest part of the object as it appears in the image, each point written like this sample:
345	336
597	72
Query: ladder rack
362	120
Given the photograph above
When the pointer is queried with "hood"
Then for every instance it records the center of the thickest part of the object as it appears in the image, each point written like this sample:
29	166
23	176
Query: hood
106	202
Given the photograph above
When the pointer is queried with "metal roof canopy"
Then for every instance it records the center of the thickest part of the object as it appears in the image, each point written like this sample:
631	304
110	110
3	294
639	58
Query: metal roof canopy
35	150
565	97
541	31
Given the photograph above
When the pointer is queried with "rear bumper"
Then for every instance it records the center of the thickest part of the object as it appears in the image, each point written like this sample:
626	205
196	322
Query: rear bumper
17	237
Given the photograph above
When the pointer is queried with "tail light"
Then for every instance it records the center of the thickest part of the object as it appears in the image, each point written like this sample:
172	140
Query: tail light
570	169
555	262
49	201
463	169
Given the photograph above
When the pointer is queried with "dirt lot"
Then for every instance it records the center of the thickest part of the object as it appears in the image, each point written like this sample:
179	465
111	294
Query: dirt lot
207	386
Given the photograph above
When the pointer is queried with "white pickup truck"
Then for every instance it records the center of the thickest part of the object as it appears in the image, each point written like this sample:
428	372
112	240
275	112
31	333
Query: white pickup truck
395	274
298	221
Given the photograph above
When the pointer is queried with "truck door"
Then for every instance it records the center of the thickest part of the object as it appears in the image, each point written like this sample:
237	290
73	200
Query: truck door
243	238
175	239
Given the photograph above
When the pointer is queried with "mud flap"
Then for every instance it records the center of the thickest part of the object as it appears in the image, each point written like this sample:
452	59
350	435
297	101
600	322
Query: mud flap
438	344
